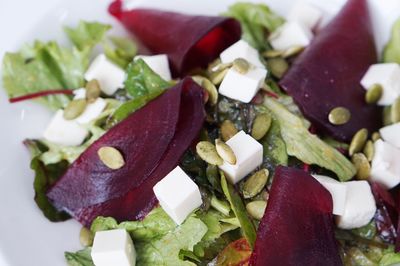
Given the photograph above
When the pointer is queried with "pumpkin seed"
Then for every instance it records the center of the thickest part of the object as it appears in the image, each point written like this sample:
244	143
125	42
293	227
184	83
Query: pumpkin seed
272	53
292	51
395	111
86	237
217	77
111	157
261	125
241	65
221	66
375	136
256	209
369	150
255	183
74	109
225	151
387	116
358	141
339	116
207	151
373	94
278	66
209	87
228	130
92	90
213	65
220	205
362	166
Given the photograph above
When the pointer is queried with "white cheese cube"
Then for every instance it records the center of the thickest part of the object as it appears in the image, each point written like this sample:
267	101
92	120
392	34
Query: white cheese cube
79	94
338	192
290	34
249	155
391	134
110	76
360	206
178	195
242	87
64	132
388	76
305	14
92	111
114	247
241	49
385	168
158	63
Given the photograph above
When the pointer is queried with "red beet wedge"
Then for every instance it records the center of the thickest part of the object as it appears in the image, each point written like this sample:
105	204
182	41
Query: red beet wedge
140	200
297	227
189	41
328	73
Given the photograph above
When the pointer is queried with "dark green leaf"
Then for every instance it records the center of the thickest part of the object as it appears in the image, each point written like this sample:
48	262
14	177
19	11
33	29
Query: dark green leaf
80	258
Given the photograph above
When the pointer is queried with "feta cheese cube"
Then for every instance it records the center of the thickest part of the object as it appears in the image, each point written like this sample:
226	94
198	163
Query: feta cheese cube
290	34
79	94
305	14
64	132
338	192
241	49
178	195
92	111
113	247
388	76
242	87
249	155
385	168
360	206
110	76
391	134
158	63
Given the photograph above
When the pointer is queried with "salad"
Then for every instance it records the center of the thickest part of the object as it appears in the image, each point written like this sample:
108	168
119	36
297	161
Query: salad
240	139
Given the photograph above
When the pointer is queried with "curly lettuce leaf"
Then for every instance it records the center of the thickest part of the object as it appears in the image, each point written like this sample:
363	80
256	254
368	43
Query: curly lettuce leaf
80	258
391	53
257	21
307	147
87	34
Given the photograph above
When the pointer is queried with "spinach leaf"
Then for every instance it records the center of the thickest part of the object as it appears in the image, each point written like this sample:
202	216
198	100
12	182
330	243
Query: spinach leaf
391	53
80	258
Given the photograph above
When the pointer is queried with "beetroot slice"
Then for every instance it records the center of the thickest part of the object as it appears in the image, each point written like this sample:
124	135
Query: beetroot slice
142	138
189	41
139	201
297	227
328	73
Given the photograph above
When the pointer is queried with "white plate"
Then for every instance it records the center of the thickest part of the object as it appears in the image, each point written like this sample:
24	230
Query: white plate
26	237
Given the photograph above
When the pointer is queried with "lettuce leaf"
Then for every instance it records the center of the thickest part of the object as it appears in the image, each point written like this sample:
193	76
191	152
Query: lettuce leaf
307	147
257	21
391	53
122	50
391	258
87	34
80	258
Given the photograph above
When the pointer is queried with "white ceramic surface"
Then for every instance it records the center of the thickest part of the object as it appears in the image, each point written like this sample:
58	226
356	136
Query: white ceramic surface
26	237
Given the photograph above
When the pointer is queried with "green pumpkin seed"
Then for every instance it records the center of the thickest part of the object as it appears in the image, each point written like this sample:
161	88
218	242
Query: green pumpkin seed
369	150
261	125
292	51
221	66
86	237
278	66
255	183
358	141
217	77
241	65
228	130
213	65
111	157
395	111
375	136
362	166
207	151
225	151
209	87
387	116
92	90
339	116
220	205
256	209
374	94
272	53
74	109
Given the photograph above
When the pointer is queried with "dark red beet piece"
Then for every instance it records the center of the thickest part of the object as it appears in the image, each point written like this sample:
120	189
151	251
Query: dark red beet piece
142	138
328	73
139	201
297	227
189	41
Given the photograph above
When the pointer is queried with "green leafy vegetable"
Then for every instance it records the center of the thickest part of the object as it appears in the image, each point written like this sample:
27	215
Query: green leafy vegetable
87	34
239	209
257	20
391	52
80	258
123	53
307	147
390	259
